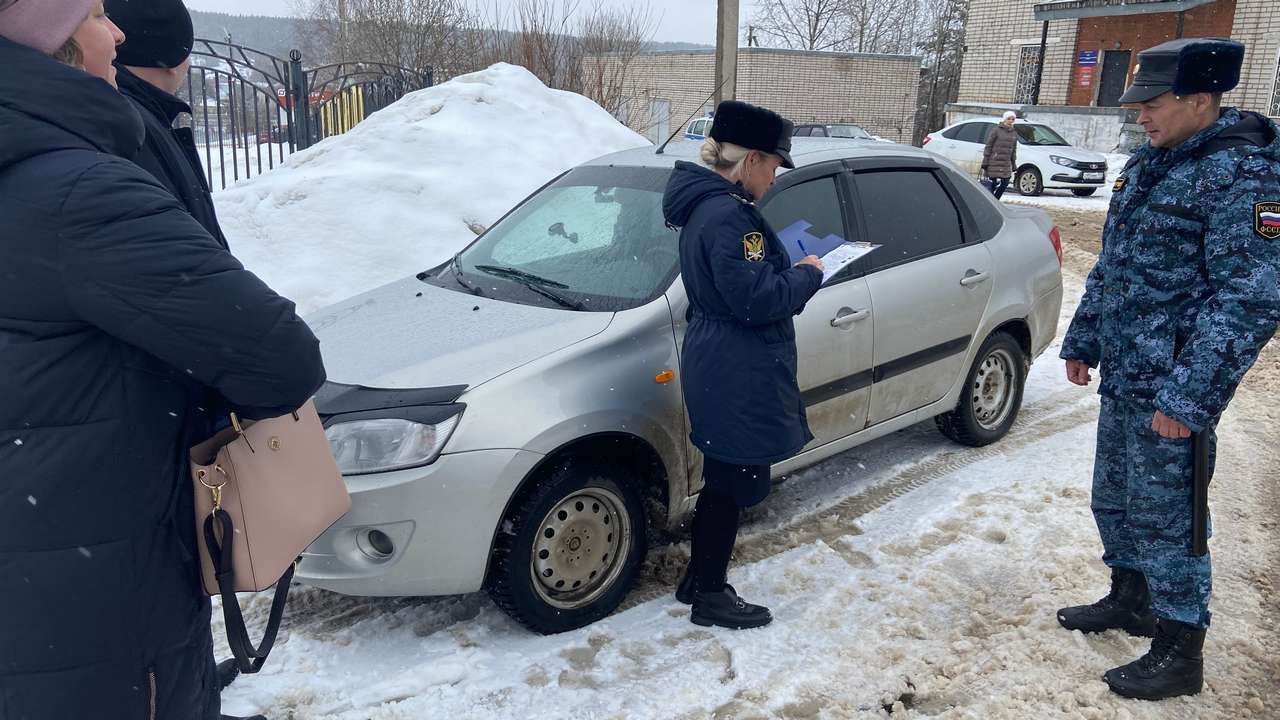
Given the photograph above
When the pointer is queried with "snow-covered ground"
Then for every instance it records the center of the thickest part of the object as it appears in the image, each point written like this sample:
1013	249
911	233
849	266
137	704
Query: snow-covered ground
1065	199
395	195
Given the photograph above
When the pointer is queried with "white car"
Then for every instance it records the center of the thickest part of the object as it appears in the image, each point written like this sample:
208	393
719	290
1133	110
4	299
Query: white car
1045	159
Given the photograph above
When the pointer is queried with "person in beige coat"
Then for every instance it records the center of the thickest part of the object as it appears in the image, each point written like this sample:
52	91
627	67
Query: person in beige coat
1001	155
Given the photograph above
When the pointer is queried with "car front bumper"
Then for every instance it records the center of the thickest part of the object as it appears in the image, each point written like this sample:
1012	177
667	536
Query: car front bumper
1075	179
440	519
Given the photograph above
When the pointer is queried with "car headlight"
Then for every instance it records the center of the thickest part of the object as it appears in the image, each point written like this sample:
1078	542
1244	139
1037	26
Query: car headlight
369	446
1065	162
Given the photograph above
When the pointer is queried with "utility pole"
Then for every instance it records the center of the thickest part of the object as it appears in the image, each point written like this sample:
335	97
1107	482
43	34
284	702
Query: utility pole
342	31
726	78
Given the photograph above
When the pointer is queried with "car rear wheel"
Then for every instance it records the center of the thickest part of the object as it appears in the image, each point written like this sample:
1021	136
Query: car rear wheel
1029	181
570	549
992	396
1084	192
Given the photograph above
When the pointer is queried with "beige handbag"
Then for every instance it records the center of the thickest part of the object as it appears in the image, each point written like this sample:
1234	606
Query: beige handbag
272	487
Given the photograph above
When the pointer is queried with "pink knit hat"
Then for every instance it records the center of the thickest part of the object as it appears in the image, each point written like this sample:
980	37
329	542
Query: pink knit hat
43	24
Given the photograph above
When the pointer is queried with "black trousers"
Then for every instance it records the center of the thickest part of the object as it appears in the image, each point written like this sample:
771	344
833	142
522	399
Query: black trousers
998	186
715	521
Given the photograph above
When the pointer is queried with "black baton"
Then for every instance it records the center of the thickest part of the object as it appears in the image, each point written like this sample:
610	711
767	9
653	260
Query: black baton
1200	495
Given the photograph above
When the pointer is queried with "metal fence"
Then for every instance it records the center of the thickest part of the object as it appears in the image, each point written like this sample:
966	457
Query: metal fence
250	110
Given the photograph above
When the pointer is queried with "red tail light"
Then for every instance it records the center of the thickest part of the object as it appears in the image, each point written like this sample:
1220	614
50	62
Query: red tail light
927	138
1056	238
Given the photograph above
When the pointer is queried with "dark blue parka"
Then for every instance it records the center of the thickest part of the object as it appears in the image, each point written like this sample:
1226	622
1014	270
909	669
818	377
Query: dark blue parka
738	363
117	312
169	152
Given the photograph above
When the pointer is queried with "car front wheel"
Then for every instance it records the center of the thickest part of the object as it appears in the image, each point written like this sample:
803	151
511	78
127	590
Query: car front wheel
992	394
1084	192
570	549
1029	181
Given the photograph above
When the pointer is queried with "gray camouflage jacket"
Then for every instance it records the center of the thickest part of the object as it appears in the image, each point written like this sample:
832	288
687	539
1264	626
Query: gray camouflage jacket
1186	291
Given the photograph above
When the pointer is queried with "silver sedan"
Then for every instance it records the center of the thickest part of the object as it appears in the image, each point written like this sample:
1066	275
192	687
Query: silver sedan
512	419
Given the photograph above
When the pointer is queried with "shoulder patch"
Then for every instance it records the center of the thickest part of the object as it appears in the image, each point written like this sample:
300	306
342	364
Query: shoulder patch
1266	220
1120	181
753	246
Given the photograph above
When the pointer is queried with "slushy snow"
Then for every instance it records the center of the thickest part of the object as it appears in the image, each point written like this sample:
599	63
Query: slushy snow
396	194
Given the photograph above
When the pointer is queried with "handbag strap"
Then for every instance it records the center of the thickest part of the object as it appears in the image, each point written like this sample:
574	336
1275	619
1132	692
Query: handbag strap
249	658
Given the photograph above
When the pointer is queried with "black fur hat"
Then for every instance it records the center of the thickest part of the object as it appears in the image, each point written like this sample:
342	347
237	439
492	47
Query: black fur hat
1186	67
754	128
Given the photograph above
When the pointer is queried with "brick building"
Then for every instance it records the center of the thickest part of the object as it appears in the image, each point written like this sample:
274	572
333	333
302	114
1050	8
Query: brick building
878	92
1092	46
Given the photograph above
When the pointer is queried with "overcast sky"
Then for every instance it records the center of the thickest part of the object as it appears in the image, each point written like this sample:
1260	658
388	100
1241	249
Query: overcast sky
680	20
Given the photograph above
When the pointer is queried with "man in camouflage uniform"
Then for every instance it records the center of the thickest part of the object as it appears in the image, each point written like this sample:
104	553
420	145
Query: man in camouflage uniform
1185	294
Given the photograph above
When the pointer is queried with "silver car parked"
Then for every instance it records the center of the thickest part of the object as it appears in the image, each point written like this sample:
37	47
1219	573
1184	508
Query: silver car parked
512	419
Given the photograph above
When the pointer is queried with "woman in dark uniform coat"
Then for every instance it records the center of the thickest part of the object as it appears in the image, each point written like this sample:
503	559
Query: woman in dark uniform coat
739	359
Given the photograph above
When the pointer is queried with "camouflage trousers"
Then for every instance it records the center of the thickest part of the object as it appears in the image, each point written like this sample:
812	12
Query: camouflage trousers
1142	490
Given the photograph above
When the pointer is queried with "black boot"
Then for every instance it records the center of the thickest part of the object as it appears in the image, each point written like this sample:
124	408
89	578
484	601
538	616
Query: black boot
1174	666
1127	607
253	717
726	609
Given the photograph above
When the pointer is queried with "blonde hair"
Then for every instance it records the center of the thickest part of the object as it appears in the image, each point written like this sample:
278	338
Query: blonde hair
70	54
722	157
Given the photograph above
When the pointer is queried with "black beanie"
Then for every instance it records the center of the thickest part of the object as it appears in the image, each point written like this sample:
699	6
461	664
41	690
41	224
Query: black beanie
157	33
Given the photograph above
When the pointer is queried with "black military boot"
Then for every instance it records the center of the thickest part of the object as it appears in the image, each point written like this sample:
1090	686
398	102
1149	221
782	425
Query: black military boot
727	610
1127	607
233	717
1174	666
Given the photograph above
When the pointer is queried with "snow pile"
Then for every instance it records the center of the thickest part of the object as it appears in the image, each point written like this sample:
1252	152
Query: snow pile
1057	198
396	194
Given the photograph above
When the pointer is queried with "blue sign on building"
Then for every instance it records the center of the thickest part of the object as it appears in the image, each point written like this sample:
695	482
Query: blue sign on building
1088	57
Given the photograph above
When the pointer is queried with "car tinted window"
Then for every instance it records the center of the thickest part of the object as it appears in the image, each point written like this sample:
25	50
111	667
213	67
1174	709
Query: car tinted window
1030	134
984	208
806	217
953	133
595	236
974	132
804	131
909	213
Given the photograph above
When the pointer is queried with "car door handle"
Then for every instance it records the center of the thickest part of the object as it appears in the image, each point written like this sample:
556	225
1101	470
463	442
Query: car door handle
974	277
848	317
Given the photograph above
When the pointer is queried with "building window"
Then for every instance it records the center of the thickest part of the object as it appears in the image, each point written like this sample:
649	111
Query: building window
1028	64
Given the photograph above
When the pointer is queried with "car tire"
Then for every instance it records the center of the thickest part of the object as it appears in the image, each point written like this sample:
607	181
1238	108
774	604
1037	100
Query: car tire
1029	181
993	394
569	550
1083	192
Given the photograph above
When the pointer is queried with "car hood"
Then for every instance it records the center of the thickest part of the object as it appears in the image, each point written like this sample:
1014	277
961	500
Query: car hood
410	334
1066	151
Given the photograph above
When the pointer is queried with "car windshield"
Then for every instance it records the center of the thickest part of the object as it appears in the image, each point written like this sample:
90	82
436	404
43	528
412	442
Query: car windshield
593	240
1030	134
849	131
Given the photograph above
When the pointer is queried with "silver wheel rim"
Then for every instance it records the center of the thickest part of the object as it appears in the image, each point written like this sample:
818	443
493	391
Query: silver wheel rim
579	550
993	388
1027	183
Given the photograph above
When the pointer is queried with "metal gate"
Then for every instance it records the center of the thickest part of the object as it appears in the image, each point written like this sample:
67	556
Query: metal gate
1028	66
250	110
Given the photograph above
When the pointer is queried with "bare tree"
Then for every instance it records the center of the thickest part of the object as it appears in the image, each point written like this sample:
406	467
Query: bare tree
611	39
416	34
801	24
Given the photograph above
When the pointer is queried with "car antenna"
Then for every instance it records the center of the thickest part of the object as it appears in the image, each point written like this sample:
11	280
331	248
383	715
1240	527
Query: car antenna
680	127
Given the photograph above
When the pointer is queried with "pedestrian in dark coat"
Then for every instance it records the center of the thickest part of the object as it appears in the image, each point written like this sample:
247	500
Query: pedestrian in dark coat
738	363
117	311
151	67
1000	156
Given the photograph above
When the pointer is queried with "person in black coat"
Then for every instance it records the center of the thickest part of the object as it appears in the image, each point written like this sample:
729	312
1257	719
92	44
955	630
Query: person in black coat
738	363
117	312
151	67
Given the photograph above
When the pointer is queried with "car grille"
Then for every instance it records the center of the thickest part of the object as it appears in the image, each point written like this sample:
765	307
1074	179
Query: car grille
1092	167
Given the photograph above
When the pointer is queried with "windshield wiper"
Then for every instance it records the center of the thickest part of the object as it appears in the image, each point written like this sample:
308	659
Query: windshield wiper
511	272
457	275
536	283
